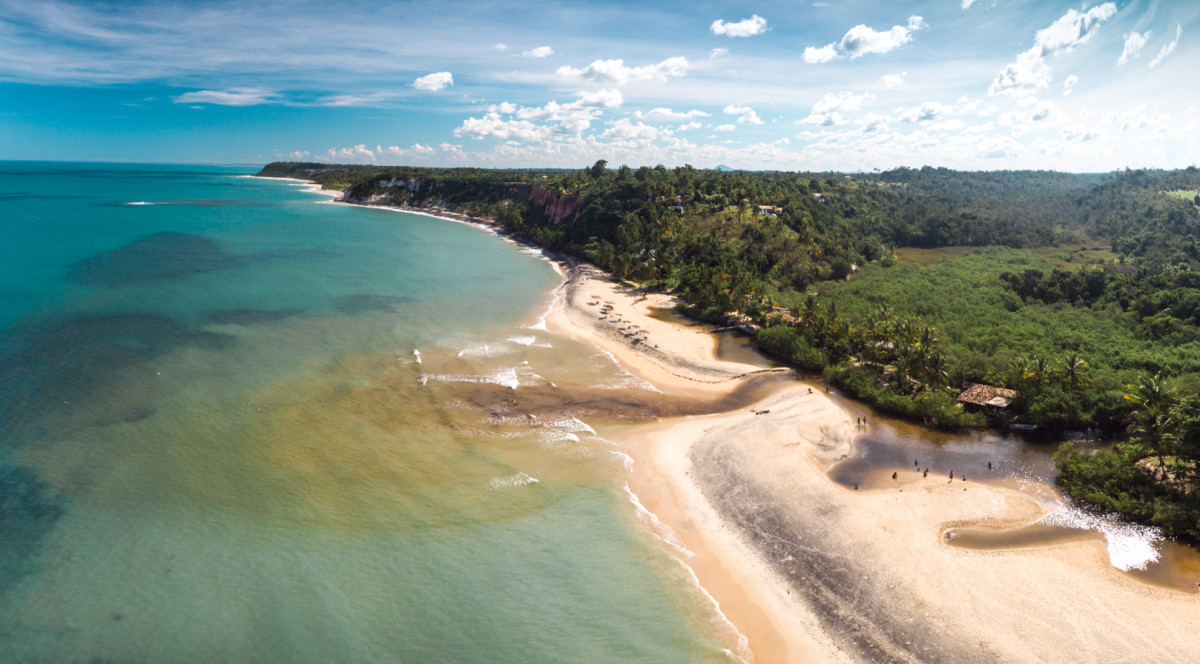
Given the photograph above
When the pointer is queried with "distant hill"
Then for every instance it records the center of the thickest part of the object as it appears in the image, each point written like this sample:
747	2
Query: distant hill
722	167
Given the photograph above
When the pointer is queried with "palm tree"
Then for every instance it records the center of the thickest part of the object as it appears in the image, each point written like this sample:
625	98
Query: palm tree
1073	370
1042	368
1018	372
1156	429
937	373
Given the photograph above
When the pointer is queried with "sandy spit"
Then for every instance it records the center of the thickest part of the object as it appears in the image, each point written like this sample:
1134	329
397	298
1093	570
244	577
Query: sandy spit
809	571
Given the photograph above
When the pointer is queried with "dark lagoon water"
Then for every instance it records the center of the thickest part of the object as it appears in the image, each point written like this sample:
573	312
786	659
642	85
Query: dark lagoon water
239	426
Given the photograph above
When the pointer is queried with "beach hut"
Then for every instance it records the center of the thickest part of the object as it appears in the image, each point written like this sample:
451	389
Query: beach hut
977	396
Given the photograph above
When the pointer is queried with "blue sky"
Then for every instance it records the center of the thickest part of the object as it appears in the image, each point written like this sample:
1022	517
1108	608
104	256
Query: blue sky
828	85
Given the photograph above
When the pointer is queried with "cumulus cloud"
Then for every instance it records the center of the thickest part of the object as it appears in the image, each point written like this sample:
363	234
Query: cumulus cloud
892	80
1134	43
356	153
734	109
825	119
1030	73
568	119
1167	49
845	101
501	47
1078	134
1068	84
861	40
724	127
927	112
755	25
814	55
1039	113
750	117
539	52
624	130
966	4
688	127
230	97
718	52
671	115
434	82
616	73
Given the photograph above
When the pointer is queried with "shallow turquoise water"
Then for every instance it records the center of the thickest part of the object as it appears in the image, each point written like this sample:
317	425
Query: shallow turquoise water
217	444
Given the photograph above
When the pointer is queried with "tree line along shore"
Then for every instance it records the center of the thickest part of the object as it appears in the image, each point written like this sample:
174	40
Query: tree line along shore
1079	292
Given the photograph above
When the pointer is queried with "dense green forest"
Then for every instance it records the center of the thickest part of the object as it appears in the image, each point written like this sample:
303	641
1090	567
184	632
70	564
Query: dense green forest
1077	291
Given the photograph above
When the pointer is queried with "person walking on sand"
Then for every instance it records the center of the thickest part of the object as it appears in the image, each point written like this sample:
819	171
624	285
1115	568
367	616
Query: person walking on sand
989	465
926	473
952	476
856	487
894	475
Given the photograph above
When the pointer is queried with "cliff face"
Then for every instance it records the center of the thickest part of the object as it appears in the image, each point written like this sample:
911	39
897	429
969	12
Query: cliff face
558	207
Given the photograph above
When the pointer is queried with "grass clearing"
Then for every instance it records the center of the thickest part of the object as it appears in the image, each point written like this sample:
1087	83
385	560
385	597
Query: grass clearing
1064	256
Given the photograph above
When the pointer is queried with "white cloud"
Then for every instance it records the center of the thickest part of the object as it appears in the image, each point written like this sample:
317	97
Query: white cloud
755	25
1134	43
724	127
1068	84
569	119
1168	48
734	109
718	52
616	73
1078	134
861	40
688	127
1030	73
892	80
927	112
813	55
1042	111
846	101
750	118
492	124
434	82
501	47
539	52
874	124
825	120
966	4
298	154
624	130
356	153
948	125
671	115
230	97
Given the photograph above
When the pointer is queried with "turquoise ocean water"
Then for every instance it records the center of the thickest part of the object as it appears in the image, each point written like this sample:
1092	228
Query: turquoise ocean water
240	426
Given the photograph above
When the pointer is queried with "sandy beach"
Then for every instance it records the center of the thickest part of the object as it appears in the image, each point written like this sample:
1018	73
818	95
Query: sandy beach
809	571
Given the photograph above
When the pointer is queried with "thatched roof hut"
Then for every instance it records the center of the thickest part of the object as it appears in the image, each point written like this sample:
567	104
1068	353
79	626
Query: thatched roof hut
985	396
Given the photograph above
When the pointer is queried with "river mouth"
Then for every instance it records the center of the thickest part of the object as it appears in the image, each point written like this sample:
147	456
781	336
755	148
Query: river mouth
885	446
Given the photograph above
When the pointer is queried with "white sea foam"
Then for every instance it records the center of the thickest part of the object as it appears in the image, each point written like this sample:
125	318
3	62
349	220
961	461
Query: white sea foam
506	377
1130	546
570	423
530	340
417	355
668	535
511	481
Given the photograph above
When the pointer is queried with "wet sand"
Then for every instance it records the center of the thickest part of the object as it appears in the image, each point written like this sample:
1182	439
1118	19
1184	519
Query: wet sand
813	571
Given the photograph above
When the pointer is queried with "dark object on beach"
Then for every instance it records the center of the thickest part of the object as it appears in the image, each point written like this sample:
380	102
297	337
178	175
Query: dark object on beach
952	476
926	473
964	478
916	463
810	390
856	489
894	475
989	465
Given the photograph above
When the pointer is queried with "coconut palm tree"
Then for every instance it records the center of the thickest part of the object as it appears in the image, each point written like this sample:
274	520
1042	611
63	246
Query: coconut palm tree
1155	430
937	373
1073	370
